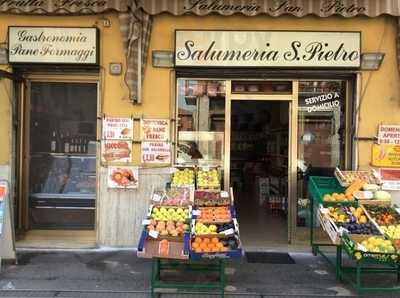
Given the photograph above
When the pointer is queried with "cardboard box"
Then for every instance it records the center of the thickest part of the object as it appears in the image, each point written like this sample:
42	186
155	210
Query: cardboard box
149	248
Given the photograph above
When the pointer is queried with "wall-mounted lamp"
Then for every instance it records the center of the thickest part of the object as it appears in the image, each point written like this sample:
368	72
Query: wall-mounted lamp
371	61
162	58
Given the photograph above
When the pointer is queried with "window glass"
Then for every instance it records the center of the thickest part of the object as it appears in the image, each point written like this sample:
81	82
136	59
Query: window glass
201	121
321	133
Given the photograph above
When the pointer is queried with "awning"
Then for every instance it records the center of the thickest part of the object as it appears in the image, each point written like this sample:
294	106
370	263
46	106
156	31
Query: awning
299	8
62	6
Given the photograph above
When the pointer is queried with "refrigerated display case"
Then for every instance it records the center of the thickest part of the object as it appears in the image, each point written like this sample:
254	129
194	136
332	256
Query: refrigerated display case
62	191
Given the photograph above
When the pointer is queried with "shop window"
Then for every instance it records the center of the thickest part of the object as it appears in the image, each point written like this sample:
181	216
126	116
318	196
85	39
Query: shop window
201	121
262	87
321	133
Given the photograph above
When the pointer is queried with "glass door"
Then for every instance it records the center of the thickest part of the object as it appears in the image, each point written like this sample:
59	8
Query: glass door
61	145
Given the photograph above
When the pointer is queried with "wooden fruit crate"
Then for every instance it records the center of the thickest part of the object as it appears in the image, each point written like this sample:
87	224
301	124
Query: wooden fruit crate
329	226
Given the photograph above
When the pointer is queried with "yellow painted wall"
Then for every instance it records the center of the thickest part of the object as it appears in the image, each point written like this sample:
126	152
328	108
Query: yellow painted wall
380	103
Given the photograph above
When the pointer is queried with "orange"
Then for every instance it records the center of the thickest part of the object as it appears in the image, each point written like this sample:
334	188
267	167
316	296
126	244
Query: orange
219	245
197	240
203	245
210	245
206	240
198	250
214	240
206	249
215	249
195	245
223	249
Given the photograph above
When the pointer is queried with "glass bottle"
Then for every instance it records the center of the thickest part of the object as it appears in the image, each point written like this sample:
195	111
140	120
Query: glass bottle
66	143
53	142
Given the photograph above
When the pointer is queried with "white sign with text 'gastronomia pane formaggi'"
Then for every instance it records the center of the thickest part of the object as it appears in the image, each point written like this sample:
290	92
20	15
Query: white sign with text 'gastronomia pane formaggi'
267	49
62	45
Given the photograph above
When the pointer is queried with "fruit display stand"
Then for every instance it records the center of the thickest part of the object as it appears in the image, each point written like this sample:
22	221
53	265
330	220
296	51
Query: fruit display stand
318	187
195	234
369	252
365	262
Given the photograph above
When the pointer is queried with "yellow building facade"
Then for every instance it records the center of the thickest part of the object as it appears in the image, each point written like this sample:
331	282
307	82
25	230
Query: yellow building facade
375	98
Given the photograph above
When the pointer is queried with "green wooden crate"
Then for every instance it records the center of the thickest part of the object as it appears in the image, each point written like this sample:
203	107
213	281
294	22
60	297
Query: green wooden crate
320	186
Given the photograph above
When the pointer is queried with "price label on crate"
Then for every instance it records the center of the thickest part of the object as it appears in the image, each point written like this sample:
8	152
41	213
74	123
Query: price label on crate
224	194
146	222
324	210
229	232
196	212
153	234
156	197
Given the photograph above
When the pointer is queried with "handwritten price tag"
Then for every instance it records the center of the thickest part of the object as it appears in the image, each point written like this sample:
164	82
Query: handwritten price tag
196	212
156	198
146	222
324	210
153	234
229	232
224	194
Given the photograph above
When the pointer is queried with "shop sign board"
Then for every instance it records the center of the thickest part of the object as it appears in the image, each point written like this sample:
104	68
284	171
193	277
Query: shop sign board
267	49
389	134
154	130
386	155
123	177
61	45
156	152
116	151
117	128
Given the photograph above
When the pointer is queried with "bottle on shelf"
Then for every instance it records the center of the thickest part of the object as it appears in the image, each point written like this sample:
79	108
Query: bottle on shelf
78	145
72	146
66	143
53	142
84	145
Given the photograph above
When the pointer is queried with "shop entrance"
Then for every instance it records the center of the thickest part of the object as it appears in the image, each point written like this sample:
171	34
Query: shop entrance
58	169
259	170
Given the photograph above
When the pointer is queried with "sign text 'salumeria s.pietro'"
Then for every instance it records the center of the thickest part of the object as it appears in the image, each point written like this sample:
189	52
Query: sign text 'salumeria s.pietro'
53	45
267	49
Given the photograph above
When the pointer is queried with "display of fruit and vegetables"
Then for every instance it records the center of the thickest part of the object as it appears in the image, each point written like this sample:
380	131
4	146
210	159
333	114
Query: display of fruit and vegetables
377	245
383	215
213	245
347	196
209	198
168	228
214	214
183	177
179	196
349	177
338	197
208	179
209	229
165	214
392	231
353	220
204	229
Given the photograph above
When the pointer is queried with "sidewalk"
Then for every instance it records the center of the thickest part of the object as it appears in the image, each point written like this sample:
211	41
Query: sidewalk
122	274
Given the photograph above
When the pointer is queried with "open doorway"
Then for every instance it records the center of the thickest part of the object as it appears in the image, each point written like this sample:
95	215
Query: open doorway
259	170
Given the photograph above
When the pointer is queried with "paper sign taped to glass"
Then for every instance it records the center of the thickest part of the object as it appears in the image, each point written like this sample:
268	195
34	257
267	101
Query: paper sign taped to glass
3	195
386	155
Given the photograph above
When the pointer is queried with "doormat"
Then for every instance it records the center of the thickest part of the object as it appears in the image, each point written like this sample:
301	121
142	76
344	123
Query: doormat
269	258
